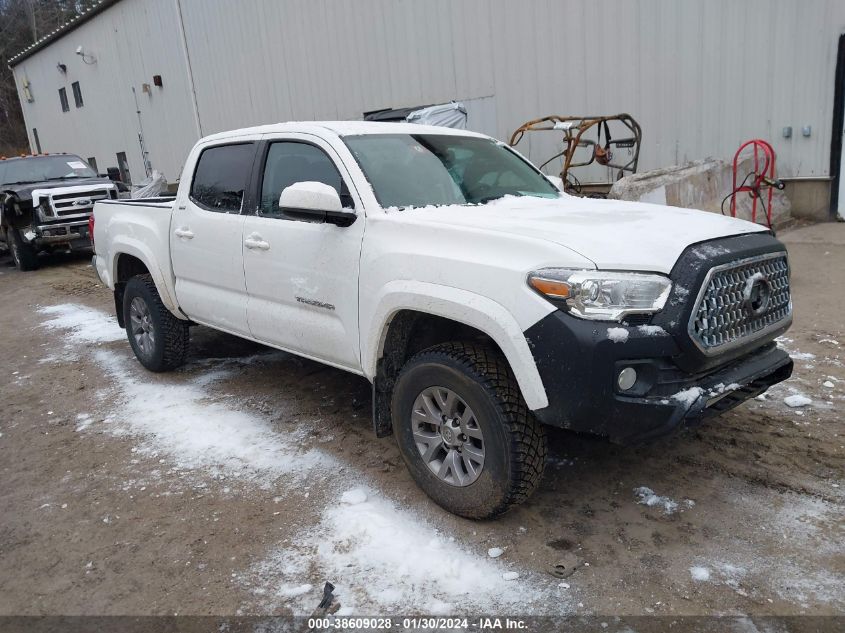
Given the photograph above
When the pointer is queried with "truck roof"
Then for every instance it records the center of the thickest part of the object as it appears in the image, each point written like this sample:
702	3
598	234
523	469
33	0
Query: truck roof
343	128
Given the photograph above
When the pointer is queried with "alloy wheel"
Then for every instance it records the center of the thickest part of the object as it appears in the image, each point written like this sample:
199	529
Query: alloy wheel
141	326
447	436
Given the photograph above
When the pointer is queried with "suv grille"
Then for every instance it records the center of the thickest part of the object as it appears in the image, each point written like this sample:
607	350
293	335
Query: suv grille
741	301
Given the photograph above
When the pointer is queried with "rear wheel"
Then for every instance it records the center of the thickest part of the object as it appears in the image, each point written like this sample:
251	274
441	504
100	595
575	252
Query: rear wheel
24	255
159	339
465	432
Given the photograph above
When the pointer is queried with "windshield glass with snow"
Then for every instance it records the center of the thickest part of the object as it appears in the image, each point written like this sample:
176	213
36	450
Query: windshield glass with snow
416	170
41	168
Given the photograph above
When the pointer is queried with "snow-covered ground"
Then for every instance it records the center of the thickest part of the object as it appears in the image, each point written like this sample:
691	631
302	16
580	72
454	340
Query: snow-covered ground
381	555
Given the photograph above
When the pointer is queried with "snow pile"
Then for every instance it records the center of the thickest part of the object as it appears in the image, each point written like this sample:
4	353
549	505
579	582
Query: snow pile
647	497
353	497
651	330
181	421
688	396
797	400
701	574
796	355
617	334
83	324
380	556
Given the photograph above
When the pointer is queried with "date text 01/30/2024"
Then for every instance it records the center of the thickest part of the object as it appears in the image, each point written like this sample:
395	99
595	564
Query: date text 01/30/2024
426	623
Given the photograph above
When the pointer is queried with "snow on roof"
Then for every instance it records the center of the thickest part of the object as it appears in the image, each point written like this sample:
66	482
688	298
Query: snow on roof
343	128
85	14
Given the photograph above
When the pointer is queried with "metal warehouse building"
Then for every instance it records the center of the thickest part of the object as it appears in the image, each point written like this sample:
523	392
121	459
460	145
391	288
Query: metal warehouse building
136	79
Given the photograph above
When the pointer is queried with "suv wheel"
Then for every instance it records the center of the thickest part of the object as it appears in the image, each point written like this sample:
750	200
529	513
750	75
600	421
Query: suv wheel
24	255
465	432
159	339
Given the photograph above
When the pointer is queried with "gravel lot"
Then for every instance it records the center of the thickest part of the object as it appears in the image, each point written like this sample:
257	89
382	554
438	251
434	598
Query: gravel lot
242	482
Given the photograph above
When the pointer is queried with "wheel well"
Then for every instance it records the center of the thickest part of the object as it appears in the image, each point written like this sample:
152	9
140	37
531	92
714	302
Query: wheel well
128	266
408	333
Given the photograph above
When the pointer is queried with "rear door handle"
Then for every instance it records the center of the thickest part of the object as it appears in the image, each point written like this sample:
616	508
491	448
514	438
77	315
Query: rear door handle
254	242
188	235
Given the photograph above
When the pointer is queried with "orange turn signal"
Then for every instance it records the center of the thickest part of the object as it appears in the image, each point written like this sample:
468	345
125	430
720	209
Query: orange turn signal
550	287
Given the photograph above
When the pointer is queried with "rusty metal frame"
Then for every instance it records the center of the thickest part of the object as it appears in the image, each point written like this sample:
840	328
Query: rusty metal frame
573	129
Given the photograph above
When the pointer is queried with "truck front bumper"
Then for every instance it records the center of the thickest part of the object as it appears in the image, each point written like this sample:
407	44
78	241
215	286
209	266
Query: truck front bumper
74	234
580	366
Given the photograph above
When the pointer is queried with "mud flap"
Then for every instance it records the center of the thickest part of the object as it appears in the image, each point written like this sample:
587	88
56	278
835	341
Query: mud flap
382	424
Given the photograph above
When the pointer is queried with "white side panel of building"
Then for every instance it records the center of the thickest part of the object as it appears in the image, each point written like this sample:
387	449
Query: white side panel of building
700	77
131	41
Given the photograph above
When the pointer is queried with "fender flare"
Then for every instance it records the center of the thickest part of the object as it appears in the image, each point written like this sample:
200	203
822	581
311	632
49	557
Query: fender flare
123	245
462	306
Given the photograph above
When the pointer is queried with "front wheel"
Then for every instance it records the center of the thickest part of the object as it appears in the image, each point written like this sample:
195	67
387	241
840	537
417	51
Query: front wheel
465	432
24	255
159	339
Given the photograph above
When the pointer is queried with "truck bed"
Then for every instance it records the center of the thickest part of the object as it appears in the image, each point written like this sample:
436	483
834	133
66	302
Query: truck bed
140	229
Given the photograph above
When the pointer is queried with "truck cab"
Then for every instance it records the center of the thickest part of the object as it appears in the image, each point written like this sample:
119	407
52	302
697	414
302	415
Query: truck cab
45	203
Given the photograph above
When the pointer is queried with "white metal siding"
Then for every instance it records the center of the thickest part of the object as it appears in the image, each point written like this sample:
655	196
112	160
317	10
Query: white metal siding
700	77
131	41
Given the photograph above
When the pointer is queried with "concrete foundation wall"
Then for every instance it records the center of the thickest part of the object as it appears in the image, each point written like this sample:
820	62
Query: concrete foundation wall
810	198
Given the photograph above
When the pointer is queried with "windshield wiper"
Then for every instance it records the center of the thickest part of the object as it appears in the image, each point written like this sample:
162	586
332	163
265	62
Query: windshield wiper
21	182
497	196
74	177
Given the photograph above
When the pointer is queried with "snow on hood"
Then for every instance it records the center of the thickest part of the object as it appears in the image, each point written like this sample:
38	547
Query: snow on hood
613	234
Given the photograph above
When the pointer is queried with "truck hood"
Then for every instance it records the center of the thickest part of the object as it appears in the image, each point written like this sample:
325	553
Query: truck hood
23	192
613	234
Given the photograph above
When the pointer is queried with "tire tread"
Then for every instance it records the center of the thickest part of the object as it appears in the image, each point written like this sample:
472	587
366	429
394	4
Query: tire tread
176	332
527	436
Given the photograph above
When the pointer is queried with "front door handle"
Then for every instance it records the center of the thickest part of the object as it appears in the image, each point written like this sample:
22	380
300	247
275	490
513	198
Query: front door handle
187	234
255	242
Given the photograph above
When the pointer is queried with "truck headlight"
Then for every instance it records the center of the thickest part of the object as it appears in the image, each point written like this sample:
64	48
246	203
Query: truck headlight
602	296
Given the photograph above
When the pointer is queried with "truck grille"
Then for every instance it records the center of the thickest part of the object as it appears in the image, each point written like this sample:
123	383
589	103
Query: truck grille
77	204
741	301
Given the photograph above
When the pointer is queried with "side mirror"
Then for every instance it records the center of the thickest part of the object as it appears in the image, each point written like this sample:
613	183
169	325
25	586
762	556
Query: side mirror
557	181
314	202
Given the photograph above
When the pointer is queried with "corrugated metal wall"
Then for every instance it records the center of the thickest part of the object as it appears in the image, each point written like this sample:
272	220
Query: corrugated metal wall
131	41
699	76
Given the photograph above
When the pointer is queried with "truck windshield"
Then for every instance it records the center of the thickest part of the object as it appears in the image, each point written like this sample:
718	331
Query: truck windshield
41	168
416	170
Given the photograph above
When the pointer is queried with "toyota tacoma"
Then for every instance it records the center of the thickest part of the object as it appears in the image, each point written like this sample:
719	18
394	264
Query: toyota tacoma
481	302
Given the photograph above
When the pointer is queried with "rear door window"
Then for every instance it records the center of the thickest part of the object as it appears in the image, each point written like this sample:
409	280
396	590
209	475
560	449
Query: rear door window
221	177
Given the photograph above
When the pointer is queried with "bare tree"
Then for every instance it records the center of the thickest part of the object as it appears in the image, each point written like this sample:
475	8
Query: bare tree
22	22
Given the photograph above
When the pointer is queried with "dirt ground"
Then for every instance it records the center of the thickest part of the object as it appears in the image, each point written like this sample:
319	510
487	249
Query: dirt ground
120	492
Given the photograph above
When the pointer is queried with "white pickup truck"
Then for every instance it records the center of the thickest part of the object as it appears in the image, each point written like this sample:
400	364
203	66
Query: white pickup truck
480	301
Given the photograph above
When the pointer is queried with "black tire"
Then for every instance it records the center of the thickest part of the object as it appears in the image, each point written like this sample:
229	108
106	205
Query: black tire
24	255
514	441
169	346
